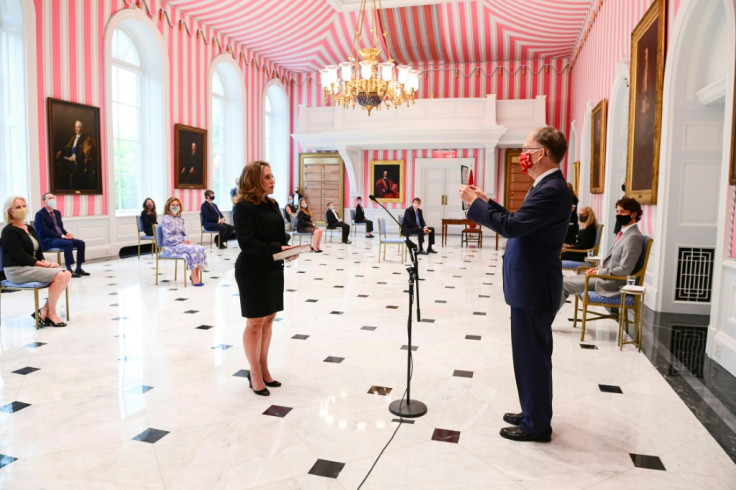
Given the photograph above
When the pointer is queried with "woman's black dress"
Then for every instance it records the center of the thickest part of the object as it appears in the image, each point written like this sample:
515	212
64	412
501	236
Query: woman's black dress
260	233
585	239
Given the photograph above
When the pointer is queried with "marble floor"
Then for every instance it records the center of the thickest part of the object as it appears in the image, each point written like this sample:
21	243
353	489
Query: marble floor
145	387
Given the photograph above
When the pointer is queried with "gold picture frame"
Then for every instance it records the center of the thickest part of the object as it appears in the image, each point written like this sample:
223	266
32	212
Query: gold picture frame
645	104
732	172
190	157
598	148
576	177
387	180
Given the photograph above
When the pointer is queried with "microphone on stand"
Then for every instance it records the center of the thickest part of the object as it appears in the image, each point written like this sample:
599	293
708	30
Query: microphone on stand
410	245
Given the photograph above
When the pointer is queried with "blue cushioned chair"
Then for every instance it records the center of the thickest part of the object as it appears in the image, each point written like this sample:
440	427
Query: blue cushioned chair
591	298
141	234
29	286
383	241
158	238
574	264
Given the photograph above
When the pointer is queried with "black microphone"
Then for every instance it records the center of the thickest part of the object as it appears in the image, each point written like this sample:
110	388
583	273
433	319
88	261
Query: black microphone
411	245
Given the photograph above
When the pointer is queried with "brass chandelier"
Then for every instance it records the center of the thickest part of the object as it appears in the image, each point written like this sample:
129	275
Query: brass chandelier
368	82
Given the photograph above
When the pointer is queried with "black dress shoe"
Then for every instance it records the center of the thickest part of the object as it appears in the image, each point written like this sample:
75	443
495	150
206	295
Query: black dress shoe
513	418
519	434
272	384
75	274
422	252
431	251
82	272
347	242
370	236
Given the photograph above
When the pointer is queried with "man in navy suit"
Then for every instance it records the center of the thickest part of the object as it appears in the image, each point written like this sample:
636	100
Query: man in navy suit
532	275
213	220
52	234
414	224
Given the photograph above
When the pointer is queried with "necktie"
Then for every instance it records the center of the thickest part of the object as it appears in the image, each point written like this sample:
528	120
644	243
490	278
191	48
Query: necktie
618	237
56	224
419	223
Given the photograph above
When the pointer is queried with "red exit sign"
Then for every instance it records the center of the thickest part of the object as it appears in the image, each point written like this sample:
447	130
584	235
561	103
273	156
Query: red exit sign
444	153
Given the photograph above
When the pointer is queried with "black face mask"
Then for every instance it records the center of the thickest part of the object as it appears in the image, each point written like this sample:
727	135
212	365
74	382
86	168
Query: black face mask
583	218
621	221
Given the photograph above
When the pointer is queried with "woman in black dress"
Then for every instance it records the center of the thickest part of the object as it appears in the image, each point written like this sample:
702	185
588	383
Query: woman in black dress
585	238
259	228
304	224
149	216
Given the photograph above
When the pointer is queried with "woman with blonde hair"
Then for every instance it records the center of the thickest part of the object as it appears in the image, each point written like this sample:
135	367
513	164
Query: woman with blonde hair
23	260
259	228
176	241
586	236
304	224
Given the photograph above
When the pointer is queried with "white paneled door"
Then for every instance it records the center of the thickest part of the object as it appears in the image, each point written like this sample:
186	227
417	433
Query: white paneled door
437	183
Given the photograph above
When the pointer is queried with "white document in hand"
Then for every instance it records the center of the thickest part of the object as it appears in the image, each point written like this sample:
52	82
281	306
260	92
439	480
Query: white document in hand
290	252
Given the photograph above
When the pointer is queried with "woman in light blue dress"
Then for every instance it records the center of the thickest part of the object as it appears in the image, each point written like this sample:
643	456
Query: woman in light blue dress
175	241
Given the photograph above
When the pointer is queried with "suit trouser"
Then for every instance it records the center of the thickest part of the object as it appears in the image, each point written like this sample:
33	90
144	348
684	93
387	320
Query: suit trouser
368	225
67	246
226	232
531	346
420	235
345	230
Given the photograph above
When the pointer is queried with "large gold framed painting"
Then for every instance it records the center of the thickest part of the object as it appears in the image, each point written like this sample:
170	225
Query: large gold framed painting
598	148
387	179
645	104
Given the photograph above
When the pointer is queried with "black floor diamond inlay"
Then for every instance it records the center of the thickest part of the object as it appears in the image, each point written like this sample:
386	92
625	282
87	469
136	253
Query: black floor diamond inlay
277	411
406	347
610	389
362	296
366	327
338	286
392	307
5	460
335	312
221	347
300	337
440	301
484	296
26	370
381	282
326	468
291	290
446	435
312	301
449	287
181	299
647	462
191	312
379	390
427	320
139	390
479	313
204	327
472	337
151	435
462	374
243	373
334	359
13	407
33	345
588	346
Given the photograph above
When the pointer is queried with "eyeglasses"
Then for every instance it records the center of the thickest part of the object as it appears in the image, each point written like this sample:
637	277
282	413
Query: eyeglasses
528	150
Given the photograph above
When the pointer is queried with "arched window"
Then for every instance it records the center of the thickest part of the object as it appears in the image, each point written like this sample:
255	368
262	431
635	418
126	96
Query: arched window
276	139
137	117
226	128
14	161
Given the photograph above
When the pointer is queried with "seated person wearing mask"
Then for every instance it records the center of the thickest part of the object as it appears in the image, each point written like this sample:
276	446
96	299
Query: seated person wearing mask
213	220
620	260
585	238
334	221
414	225
360	218
52	234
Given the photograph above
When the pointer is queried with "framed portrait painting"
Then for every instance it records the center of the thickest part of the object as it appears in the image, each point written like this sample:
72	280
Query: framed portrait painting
732	172
645	104
387	180
74	147
190	159
576	177
465	180
598	148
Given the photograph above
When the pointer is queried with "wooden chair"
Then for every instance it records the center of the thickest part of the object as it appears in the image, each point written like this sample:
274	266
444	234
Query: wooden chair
142	235
204	230
587	298
384	242
299	234
573	265
158	238
29	286
474	235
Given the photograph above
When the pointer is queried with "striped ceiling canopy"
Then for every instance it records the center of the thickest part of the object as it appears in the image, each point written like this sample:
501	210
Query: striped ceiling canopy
306	35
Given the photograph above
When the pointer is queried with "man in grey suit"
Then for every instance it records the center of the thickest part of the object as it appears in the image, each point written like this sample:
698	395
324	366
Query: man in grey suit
621	259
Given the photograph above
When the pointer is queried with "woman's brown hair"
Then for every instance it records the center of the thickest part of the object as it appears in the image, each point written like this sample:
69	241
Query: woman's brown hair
306	210
592	221
167	206
250	183
153	209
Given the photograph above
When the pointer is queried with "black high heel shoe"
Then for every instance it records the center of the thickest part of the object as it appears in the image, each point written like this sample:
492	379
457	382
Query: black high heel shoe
33	315
50	323
263	392
272	384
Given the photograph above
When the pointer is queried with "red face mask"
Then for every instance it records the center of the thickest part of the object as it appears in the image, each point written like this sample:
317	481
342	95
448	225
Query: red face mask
525	161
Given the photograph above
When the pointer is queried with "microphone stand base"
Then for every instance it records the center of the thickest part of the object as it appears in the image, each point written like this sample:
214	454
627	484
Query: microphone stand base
407	408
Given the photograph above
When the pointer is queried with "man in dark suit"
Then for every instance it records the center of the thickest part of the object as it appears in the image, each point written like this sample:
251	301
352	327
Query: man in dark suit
52	234
334	221
213	220
414	224
620	260
532	275
360	218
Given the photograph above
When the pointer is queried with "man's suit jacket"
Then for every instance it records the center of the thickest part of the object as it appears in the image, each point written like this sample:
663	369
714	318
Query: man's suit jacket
44	225
210	214
532	270
332	218
410	219
620	261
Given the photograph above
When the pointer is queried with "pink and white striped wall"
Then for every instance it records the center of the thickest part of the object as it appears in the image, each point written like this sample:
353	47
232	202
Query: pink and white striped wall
70	66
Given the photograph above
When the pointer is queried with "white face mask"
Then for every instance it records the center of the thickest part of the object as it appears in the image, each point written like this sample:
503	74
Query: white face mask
304	205
175	209
51	203
332	208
